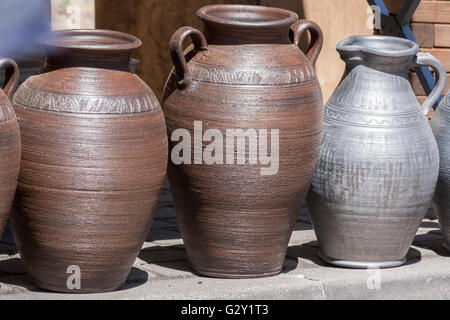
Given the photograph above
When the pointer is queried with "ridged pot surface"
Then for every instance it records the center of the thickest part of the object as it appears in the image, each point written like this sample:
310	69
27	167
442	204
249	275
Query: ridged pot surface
377	167
9	142
94	159
235	221
440	124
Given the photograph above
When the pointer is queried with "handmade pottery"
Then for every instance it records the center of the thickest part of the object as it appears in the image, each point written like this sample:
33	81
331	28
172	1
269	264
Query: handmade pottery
9	141
440	124
378	163
236	212
94	159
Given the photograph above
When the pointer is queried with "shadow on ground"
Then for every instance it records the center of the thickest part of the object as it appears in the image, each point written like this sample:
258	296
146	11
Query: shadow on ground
12	272
174	257
433	240
310	251
7	244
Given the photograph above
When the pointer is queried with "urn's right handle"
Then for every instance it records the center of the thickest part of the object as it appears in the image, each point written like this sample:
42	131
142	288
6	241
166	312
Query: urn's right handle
316	43
426	59
11	75
177	53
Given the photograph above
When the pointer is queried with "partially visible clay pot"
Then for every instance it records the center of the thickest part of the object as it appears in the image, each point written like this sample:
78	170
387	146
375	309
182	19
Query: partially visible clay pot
440	124
94	159
9	141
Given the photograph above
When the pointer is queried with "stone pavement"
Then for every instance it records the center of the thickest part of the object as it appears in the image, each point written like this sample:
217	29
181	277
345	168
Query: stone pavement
161	271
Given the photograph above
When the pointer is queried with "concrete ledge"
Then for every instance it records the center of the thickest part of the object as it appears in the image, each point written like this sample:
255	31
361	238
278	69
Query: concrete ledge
161	271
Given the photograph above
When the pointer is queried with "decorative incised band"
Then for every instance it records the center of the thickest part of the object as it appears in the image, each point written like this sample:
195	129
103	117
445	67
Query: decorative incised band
270	76
335	114
69	103
6	113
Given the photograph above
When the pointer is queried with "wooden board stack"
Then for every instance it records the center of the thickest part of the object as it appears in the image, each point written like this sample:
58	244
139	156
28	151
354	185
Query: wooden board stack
431	28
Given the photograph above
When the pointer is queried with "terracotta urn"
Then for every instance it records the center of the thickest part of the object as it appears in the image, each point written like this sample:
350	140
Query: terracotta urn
9	141
94	159
379	162
440	124
243	109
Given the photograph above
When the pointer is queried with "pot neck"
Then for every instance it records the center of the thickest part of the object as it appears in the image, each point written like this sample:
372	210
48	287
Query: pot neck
223	35
119	61
241	24
89	48
396	66
381	53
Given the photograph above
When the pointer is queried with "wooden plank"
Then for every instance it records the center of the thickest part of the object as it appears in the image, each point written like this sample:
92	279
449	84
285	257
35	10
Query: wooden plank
442	35
417	86
407	10
433	11
441	54
424	34
154	22
393	6
330	15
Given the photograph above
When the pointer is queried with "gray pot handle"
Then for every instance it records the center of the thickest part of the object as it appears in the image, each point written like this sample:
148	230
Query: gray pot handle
426	59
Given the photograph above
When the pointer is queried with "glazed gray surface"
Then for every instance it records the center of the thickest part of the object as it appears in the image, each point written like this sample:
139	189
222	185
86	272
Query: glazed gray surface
441	202
378	163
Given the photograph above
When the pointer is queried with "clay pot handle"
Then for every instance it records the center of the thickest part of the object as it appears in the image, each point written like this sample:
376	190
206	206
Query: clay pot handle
426	59
177	54
11	75
316	43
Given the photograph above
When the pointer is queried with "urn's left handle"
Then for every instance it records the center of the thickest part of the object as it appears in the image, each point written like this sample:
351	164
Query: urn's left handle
176	51
11	75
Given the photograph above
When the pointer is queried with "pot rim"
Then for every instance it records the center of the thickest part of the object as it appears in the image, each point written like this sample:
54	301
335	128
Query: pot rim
209	14
403	47
86	39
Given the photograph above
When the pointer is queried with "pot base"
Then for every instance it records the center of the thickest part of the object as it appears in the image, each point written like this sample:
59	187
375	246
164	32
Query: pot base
361	265
58	289
236	275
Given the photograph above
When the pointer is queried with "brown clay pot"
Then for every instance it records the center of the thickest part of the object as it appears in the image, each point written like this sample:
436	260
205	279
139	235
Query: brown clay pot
94	159
9	141
244	72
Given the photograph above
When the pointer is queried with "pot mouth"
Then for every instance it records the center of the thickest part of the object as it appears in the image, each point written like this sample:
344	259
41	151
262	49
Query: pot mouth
247	16
379	45
90	39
